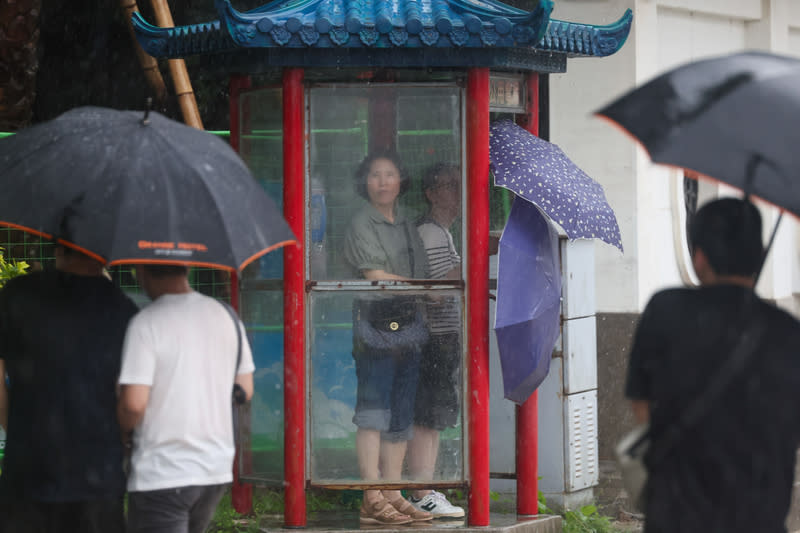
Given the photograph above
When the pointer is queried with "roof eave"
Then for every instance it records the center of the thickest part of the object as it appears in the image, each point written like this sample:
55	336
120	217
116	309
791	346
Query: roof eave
241	30
586	40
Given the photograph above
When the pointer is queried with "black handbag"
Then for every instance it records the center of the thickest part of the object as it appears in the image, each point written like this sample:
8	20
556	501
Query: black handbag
389	324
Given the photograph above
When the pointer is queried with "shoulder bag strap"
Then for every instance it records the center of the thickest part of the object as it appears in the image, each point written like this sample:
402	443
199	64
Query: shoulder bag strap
743	352
235	319
410	249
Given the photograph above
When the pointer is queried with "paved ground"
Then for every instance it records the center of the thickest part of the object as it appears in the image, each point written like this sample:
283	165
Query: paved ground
335	521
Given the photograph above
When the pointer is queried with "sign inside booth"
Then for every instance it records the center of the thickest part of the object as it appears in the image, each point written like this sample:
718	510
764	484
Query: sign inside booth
506	93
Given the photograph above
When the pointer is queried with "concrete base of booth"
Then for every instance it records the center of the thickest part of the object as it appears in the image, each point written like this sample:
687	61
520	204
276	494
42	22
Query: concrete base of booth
348	521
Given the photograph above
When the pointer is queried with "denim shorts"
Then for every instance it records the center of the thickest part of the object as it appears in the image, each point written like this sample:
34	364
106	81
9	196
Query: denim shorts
387	388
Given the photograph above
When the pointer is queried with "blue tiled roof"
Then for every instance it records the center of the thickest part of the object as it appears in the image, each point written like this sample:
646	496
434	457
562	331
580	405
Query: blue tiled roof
386	24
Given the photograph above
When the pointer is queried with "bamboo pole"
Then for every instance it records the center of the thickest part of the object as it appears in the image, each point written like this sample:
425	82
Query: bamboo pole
148	62
177	68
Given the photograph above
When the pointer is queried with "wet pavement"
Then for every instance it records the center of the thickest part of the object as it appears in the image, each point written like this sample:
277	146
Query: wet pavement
348	521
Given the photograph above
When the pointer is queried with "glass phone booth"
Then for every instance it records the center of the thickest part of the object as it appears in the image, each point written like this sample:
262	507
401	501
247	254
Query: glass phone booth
423	122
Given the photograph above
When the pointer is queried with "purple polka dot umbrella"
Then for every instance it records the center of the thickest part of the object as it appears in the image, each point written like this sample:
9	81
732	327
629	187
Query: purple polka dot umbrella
541	173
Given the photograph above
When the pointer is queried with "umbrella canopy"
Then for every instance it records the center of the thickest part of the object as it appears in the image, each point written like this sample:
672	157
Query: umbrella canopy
733	118
541	173
128	189
527	316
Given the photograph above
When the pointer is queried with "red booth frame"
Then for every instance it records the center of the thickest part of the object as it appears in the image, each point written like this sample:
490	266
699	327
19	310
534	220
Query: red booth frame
477	292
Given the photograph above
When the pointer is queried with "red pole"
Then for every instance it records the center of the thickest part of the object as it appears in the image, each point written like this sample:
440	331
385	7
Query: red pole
478	292
293	299
241	493
528	413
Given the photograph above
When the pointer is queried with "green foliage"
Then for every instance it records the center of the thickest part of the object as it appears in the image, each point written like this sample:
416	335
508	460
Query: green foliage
543	508
271	502
10	269
586	520
227	520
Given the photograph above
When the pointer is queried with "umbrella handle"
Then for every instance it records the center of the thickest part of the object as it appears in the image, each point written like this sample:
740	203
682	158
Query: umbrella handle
769	245
752	164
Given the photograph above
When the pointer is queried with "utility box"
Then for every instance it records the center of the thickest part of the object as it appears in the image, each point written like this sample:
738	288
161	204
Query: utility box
568	453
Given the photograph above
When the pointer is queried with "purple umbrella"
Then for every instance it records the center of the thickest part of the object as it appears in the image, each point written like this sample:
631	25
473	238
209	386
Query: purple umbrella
541	173
527	316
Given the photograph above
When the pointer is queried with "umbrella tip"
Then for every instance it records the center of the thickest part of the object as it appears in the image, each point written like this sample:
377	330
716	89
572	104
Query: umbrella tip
148	105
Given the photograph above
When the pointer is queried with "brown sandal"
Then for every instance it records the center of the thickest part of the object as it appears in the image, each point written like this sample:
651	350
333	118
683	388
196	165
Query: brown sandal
405	507
381	512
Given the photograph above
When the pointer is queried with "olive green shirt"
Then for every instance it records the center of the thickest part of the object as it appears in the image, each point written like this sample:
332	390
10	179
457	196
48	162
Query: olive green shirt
374	243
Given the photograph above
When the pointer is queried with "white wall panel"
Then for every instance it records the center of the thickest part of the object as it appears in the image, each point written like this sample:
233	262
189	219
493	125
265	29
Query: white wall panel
577	278
740	9
551	431
794	40
580	354
581	426
601	150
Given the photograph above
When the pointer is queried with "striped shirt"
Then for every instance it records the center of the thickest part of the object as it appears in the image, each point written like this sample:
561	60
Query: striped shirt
444	311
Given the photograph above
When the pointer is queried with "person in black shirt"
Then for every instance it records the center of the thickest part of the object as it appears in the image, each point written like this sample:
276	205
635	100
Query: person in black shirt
61	336
733	469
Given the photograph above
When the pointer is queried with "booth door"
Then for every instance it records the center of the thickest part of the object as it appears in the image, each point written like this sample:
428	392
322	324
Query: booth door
423	124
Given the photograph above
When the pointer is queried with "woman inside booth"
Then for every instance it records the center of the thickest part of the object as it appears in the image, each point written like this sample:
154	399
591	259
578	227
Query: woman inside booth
389	331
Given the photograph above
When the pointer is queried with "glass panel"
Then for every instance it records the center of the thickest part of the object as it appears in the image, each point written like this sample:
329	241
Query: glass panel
261	302
370	219
435	390
261	147
422	124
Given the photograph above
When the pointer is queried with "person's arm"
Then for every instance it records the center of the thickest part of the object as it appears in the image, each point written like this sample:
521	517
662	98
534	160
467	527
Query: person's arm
641	411
3	396
245	381
649	344
131	406
381	275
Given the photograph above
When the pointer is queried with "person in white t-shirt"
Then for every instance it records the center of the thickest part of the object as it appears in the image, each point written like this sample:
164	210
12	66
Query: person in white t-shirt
178	368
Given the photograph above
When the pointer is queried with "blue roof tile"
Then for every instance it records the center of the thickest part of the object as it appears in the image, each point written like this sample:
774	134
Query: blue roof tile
385	24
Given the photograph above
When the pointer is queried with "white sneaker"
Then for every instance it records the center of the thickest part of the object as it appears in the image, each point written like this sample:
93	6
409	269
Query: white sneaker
436	504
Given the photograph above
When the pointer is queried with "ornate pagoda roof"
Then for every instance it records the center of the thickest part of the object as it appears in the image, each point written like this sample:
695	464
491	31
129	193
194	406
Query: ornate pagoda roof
396	33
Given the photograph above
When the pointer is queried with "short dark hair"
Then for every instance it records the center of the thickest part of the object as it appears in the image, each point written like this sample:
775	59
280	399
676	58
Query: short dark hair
430	178
165	271
728	231
360	177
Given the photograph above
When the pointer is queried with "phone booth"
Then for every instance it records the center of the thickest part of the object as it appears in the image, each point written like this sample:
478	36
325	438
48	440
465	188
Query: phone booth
316	86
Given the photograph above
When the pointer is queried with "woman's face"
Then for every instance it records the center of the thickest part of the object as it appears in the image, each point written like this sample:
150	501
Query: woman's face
383	183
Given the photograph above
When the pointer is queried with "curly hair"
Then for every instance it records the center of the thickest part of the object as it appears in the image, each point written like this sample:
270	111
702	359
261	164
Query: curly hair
360	176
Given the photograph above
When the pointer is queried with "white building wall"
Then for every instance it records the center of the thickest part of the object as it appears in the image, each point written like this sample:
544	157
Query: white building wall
647	198
604	152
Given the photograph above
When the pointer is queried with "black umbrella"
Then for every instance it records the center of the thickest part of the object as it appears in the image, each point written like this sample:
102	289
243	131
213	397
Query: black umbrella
130	187
732	118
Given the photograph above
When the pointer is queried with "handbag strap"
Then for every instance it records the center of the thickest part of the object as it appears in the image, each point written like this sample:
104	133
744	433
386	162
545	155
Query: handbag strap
410	249
744	350
235	319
